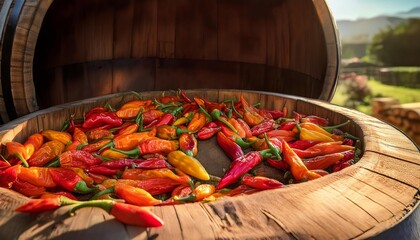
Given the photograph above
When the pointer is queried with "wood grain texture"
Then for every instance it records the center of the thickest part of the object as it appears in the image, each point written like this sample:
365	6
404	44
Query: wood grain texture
110	46
358	202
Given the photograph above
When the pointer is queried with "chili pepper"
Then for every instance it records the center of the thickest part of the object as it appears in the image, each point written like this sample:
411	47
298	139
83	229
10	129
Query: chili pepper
78	158
129	141
188	144
96	110
9	176
250	115
152	145
199	193
79	135
245	127
166	119
324	161
346	161
279	164
27	189
143	174
280	133
297	167
130	194
241	189
216	115
121	164
197	122
102	170
82	174
58	195
348	141
240	166
302	144
182	190
18	150
132	108
4	164
96	146
208	105
169	132
306	134
98	133
322	149
47	152
188	164
154	186
288	125
261	144
33	143
232	149
39	176
263	127
320	121
108	154
123	212
235	137
260	182
69	180
97	178
151	115
126	128
44	204
63	137
184	96
101	119
208	131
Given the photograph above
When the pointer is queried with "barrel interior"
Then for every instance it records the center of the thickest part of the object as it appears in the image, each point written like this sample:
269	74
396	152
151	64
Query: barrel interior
89	48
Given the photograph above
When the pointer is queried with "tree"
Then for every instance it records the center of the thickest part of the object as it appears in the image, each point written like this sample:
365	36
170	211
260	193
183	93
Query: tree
398	46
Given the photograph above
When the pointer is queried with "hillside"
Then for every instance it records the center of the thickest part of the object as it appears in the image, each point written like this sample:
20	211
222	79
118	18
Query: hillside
362	30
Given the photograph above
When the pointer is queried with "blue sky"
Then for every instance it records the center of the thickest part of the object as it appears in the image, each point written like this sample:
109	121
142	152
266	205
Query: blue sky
354	9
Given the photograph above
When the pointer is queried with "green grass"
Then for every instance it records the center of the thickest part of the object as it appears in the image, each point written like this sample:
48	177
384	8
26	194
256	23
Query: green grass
403	94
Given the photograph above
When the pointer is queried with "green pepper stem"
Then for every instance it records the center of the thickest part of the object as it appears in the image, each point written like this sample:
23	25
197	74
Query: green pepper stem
54	163
132	153
24	162
104	204
208	116
348	135
188	198
80	146
331	128
108	145
274	149
67	201
103	192
242	143
81	187
179	131
216	115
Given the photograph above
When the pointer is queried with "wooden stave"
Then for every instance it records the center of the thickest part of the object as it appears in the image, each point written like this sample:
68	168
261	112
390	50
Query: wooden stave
19	91
394	195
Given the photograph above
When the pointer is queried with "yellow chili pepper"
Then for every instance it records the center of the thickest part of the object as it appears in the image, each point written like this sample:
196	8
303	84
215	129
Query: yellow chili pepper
314	127
63	137
306	134
187	164
108	153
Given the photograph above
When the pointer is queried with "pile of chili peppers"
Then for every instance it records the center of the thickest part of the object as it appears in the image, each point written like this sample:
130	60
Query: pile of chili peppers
144	154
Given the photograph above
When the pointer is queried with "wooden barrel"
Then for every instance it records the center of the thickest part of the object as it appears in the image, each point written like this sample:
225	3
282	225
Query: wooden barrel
59	51
359	202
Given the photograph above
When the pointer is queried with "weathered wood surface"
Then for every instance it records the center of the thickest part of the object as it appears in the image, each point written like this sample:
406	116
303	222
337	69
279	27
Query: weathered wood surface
62	51
356	203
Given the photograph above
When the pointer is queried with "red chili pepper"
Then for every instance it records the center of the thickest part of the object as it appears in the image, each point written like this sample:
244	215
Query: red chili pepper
102	170
232	149
239	167
263	127
346	161
121	164
166	119
323	122
69	180
324	161
9	176
185	97
241	189
78	158
245	127
152	115
28	189
188	144
208	131
287	125
279	164
260	182
101	119
44	204
96	110
303	144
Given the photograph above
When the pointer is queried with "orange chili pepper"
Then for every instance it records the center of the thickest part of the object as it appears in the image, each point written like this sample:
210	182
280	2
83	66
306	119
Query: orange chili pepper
199	193
38	176
63	137
239	128
197	122
250	115
79	135
297	167
135	195
98	133
324	161
151	115
322	149
169	132
129	141
131	128
47	152
33	143
143	174
96	146
18	150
